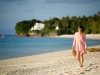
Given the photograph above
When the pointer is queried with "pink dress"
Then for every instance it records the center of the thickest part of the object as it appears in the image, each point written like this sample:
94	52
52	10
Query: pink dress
80	42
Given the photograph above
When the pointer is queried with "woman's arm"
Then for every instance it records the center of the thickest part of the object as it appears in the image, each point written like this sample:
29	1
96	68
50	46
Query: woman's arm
74	41
84	39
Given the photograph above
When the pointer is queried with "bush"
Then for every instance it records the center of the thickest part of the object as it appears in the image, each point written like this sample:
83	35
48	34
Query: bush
93	49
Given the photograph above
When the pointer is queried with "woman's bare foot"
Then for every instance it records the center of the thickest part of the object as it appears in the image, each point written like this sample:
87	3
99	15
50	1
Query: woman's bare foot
81	66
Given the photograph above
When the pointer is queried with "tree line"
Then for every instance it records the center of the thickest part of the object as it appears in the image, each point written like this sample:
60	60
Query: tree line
67	25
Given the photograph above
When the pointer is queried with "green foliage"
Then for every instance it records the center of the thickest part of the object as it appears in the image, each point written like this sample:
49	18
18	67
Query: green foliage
67	25
25	26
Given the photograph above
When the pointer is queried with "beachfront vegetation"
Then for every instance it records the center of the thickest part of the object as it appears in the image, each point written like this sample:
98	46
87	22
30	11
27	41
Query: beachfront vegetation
93	49
67	25
23	27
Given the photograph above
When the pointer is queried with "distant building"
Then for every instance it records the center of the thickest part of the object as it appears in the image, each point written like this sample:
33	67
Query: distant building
57	28
38	26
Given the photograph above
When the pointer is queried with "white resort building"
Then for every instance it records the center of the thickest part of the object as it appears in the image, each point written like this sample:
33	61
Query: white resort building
38	26
57	28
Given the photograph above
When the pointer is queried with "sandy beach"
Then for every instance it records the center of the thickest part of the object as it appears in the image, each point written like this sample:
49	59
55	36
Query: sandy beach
88	36
54	63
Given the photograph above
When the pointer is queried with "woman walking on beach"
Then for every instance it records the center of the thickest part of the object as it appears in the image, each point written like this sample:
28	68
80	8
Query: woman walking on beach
79	44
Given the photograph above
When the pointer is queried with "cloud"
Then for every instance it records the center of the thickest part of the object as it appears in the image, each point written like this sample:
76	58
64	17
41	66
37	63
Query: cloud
16	2
70	1
12	0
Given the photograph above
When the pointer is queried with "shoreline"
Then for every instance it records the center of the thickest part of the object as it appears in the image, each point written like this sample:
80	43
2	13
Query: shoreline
54	63
62	36
88	36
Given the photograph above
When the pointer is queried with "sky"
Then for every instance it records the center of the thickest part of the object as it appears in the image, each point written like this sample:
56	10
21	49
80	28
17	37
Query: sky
14	11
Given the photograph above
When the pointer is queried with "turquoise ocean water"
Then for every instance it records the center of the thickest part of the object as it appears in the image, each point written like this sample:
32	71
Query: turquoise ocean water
13	46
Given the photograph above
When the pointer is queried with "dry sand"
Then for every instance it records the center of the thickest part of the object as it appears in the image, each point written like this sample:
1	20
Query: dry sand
88	36
56	63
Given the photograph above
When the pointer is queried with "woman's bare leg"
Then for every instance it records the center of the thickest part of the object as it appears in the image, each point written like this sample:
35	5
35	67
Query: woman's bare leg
78	57
81	58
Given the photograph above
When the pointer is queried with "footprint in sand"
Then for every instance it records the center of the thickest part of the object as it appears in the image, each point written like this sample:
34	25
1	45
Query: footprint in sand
91	68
